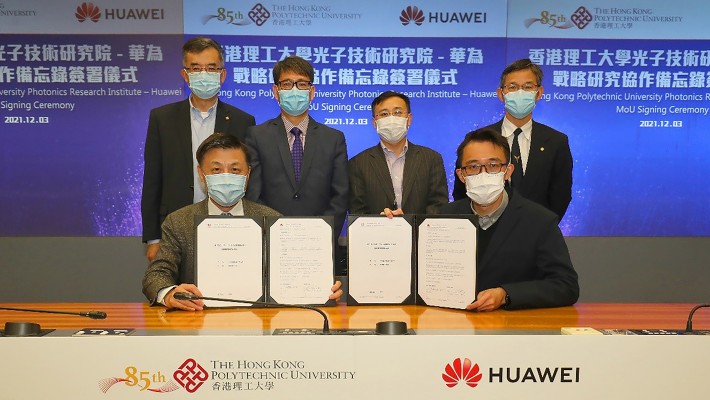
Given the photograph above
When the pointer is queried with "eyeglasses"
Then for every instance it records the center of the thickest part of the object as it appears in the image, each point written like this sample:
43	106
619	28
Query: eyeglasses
288	84
514	87
197	68
491	168
398	112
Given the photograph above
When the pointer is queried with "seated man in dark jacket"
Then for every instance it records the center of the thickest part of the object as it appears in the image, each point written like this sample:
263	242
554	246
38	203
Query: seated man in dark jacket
522	258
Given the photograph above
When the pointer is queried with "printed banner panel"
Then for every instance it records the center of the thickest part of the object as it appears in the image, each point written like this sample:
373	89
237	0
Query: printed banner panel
608	19
632	109
322	18
74	105
74	113
357	367
91	17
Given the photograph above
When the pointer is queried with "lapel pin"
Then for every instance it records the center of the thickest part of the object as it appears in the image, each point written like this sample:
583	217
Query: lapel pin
542	149
227	117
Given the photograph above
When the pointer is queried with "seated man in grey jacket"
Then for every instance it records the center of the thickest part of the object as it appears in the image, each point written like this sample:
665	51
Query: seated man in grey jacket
224	166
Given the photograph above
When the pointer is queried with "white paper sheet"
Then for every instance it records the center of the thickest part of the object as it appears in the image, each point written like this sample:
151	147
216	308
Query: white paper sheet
300	261
380	260
447	262
229	260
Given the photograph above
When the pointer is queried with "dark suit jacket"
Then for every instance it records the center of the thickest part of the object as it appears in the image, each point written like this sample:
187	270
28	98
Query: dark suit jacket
527	256
175	262
424	187
323	189
548	175
168	173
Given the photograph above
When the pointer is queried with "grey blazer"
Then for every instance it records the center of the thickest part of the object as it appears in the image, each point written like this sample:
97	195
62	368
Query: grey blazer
175	262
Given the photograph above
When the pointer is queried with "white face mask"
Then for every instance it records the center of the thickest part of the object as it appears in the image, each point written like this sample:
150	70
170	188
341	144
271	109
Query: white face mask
392	129
485	188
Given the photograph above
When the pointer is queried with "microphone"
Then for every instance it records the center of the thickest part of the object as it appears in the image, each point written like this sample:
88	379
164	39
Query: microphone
89	314
689	324
190	296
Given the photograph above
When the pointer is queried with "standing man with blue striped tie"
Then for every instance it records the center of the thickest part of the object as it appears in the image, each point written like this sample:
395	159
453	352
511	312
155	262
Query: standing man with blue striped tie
299	166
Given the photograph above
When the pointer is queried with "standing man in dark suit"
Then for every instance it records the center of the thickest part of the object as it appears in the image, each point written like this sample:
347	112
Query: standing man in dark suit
299	166
170	180
522	260
396	175
541	155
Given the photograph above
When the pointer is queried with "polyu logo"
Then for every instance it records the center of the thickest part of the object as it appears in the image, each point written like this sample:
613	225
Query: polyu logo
412	13
459	371
88	11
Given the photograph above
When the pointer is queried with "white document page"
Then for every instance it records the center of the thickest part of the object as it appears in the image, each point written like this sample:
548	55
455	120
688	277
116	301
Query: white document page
229	260
447	262
380	260
300	261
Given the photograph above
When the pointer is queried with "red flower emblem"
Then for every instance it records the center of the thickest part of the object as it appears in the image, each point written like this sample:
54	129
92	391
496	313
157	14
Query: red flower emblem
412	13
88	11
461	371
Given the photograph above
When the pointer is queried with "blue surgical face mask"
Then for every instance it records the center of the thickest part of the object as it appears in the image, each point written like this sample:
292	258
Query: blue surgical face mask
204	85
294	101
226	189
520	103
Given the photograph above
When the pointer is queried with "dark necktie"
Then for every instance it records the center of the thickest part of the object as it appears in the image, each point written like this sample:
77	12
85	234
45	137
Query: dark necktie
517	160
297	153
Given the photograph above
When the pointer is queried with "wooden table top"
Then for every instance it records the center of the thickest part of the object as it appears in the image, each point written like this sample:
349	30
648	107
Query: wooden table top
143	316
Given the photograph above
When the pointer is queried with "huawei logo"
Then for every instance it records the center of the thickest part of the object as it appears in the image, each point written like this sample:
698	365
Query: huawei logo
88	11
461	371
412	13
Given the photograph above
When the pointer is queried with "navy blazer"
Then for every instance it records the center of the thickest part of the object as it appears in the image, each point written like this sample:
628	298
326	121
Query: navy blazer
527	256
168	178
548	174
323	188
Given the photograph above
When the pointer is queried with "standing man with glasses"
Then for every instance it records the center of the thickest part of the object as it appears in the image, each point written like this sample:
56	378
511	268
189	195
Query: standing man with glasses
541	155
522	260
396	176
299	166
175	131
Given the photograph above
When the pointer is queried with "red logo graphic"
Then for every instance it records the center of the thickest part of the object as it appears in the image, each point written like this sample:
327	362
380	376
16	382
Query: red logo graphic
412	13
88	11
190	375
259	14
461	371
581	17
